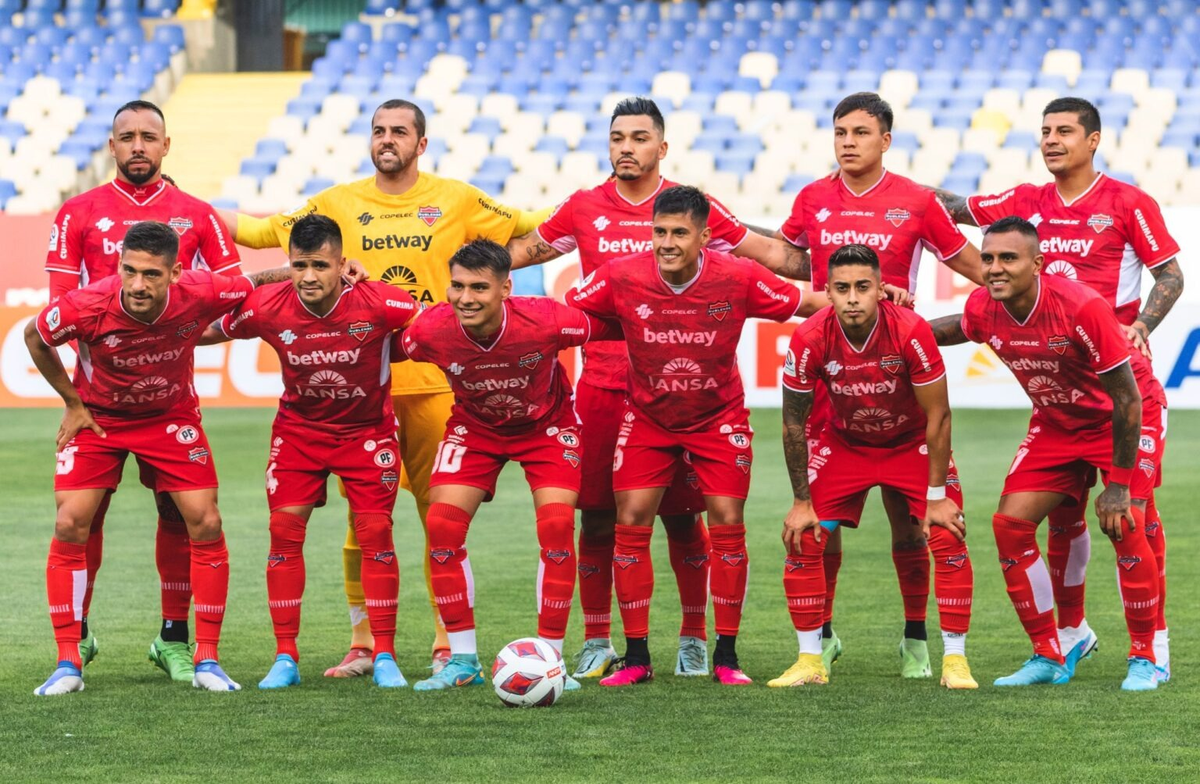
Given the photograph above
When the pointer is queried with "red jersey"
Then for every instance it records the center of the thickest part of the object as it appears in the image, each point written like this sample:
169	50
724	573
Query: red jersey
871	389
336	368
683	344
1058	352
129	369
603	225
1102	239
514	381
90	229
895	217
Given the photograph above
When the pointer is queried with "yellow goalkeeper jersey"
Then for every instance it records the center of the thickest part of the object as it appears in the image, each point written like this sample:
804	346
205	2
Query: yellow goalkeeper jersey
405	240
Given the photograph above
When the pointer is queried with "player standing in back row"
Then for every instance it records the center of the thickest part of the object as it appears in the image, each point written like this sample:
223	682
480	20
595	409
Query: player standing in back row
1102	233
604	223
85	246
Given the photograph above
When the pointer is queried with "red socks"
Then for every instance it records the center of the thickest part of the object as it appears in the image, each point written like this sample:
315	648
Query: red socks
730	563
832	565
1068	550
690	562
1137	576
66	583
173	557
95	550
953	580
556	572
449	569
285	580
596	584
634	577
1028	582
804	583
912	570
380	577
210	582
1158	544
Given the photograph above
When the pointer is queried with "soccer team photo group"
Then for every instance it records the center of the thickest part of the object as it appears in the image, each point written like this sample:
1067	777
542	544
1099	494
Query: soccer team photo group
416	360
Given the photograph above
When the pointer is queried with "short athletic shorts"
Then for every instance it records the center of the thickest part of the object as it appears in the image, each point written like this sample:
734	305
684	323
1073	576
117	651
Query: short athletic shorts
301	460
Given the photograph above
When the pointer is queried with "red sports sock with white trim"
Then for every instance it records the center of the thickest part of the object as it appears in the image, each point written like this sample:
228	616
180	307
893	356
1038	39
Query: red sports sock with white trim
380	577
633	574
95	550
1137	576
66	582
449	569
210	583
1028	582
285	580
832	565
1157	538
556	569
953	580
912	571
172	555
804	583
730	571
595	565
1068	550
690	561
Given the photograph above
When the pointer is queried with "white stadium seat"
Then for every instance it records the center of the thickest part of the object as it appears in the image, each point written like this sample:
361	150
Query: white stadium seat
569	125
762	66
1063	62
675	85
1129	80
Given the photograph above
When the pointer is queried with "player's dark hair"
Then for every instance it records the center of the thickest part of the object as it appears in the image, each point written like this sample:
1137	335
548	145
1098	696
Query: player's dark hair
483	255
1015	224
870	103
400	103
312	232
139	106
639	105
853	256
683	200
1085	110
155	238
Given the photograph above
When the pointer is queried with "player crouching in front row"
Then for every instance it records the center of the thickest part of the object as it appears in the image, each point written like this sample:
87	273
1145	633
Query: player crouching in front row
333	338
890	428
512	401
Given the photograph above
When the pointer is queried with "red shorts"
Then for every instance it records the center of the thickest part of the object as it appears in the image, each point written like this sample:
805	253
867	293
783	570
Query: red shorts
650	456
840	474
469	454
600	414
172	452
301	461
1055	461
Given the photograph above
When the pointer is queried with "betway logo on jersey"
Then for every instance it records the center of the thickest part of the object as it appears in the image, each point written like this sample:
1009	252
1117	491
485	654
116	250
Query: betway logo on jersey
1027	364
623	246
860	388
497	384
397	242
678	336
112	248
1062	245
323	357
330	385
871	240
682	375
147	358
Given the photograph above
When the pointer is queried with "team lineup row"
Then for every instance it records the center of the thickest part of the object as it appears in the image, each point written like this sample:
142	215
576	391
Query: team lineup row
682	440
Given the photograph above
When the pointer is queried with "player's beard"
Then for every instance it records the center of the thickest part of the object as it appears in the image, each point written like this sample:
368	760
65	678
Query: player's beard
138	179
626	175
391	167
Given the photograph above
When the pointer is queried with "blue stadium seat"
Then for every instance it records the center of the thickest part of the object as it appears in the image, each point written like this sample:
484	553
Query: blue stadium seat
170	36
555	145
160	9
51	36
19	72
93	37
488	126
905	140
540	103
11	130
381	7
270	149
63	72
8	189
257	168
1021	140
77	151
128	35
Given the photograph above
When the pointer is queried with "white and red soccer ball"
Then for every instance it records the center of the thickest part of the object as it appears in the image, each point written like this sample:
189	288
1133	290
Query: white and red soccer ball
529	673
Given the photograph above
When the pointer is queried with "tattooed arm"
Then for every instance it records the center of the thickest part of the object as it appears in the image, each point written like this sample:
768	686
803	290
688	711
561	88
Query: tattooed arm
268	276
530	249
796	408
948	331
1114	503
1168	285
957	207
776	254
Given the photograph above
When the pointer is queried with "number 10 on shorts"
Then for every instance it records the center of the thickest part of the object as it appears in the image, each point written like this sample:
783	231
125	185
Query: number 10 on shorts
449	457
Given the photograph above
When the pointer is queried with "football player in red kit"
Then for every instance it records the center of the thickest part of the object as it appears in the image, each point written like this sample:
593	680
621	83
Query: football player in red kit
333	338
682	308
1064	345
890	427
133	393
85	246
512	401
1102	233
602	223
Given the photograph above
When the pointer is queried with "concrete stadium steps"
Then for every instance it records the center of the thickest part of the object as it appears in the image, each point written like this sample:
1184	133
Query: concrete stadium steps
214	121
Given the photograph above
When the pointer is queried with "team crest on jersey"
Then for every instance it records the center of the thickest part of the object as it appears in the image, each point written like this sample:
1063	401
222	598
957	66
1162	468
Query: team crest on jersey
389	479
180	225
198	455
892	363
530	360
958	560
187	329
558	556
1147	467
1100	222
429	214
572	457
896	216
442	554
719	310
1058	343
359	330
742	462
696	561
386	556
1127	562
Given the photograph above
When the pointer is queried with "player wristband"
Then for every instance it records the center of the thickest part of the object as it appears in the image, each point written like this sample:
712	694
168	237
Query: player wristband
935	493
1120	476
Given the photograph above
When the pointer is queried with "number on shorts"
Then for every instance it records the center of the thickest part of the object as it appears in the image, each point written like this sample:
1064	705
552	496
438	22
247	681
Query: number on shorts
449	457
66	460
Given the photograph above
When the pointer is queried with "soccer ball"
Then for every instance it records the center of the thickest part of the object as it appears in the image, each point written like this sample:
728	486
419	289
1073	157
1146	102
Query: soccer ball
528	673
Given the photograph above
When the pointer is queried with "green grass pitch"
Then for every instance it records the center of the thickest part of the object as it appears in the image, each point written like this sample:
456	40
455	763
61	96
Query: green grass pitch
132	724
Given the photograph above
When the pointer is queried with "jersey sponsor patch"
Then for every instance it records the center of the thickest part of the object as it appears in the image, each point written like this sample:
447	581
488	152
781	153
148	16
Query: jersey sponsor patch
429	215
187	329
1058	343
53	238
180	225
719	310
360	329
1100	222
892	363
897	216
530	360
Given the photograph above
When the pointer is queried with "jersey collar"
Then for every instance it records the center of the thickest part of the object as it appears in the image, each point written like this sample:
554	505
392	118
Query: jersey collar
166	307
621	196
139	195
870	336
495	341
1081	196
349	284
1032	310
700	265
882	177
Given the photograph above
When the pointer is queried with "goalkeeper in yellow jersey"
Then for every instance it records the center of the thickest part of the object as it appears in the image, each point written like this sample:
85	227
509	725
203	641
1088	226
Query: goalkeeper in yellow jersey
403	225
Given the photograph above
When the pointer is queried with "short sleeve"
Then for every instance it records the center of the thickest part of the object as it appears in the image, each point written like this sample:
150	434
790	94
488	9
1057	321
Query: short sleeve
1099	336
65	253
60	322
921	355
986	210
243	322
283	222
970	318
229	292
940	233
594	294
1148	233
407	344
727	231
217	248
576	327
558	230
794	229
488	219
399	307
770	297
800	365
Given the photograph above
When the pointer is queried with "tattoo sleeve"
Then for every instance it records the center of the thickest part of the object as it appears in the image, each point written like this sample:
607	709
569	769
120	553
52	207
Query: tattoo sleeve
948	331
530	249
760	230
797	263
796	408
1168	285
957	207
1126	415
265	277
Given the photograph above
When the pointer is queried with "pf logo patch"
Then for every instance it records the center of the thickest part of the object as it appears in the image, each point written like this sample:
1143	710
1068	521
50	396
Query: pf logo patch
187	435
740	440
